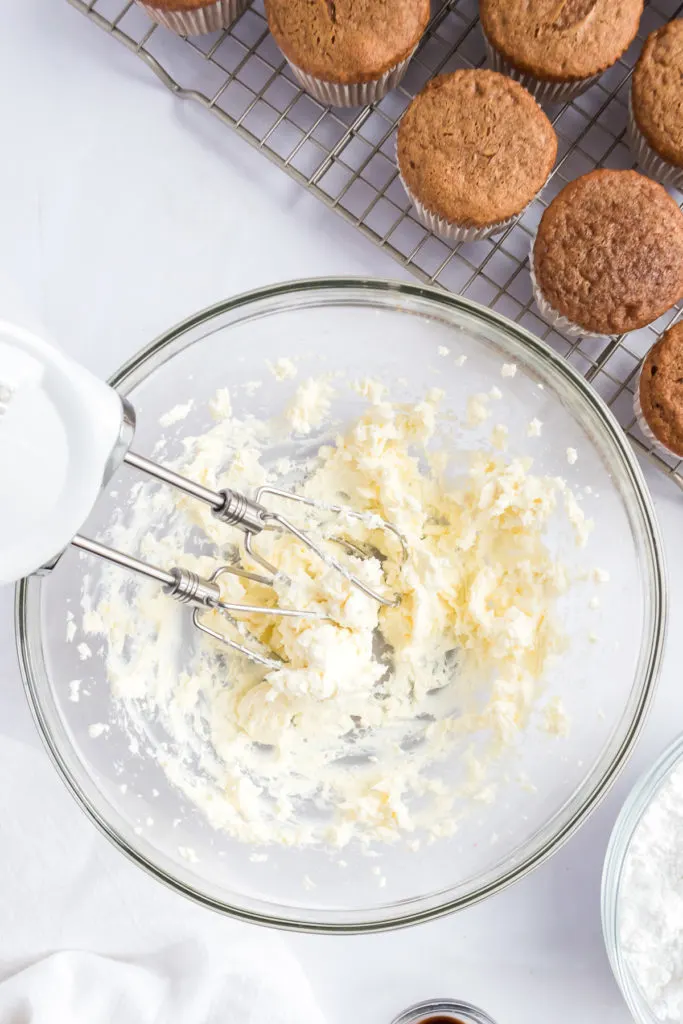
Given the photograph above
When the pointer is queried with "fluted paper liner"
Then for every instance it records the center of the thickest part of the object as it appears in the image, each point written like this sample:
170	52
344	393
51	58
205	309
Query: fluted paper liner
198	22
649	161
352	94
541	89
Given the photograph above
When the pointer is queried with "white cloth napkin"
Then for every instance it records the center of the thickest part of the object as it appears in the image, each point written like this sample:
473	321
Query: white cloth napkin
183	983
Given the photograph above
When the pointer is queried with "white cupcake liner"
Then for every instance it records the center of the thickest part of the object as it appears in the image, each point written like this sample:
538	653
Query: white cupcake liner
649	161
551	316
211	18
351	94
449	231
541	89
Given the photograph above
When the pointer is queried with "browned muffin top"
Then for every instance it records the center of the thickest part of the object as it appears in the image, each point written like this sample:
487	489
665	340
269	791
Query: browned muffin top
561	41
608	253
661	389
475	147
656	91
347	41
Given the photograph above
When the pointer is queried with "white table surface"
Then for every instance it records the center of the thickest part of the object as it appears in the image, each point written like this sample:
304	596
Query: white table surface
122	211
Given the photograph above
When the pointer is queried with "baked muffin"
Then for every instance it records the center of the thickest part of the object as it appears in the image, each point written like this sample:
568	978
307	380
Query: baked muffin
608	254
655	110
659	394
194	17
348	53
474	148
557	50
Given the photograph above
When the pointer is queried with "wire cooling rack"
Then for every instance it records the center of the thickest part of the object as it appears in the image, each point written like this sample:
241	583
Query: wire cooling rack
346	158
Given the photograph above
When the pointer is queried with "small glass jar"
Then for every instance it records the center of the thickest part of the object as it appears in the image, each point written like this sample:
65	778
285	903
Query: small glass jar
443	1011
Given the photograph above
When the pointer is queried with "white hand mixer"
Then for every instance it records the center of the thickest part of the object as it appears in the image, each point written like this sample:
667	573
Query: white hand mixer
64	433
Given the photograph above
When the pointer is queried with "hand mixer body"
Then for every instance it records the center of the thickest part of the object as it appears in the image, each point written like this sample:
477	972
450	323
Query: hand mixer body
63	433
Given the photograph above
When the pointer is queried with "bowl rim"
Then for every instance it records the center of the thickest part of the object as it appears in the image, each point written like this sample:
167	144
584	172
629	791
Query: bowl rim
652	544
639	799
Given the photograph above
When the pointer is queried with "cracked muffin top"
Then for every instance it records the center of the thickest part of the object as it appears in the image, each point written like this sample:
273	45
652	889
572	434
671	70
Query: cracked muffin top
347	41
561	40
474	147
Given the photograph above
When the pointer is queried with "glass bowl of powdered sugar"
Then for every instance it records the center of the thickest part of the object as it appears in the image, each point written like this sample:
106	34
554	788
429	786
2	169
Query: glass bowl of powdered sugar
642	893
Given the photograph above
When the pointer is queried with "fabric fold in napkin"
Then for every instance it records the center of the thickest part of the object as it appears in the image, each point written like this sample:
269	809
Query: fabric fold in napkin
186	982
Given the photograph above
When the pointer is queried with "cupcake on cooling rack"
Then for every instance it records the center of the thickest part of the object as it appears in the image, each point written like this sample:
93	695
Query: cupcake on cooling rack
659	394
557	50
655	110
194	17
348	53
474	148
608	254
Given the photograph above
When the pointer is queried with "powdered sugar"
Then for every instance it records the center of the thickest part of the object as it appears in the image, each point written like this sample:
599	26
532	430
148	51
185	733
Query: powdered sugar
651	902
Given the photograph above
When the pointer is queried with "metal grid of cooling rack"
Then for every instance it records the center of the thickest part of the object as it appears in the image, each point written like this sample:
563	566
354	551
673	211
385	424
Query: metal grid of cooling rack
346	158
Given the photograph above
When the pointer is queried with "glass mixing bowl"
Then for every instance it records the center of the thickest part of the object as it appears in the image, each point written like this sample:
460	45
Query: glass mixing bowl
638	801
546	785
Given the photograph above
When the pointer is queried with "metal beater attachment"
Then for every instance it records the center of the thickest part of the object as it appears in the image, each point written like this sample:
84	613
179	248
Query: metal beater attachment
275	521
200	593
252	518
